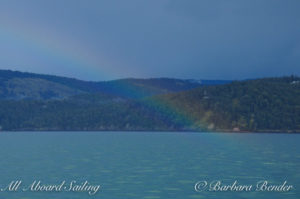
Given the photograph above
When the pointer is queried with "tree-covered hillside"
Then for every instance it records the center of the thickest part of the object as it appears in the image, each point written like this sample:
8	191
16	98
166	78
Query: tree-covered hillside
18	85
270	104
255	105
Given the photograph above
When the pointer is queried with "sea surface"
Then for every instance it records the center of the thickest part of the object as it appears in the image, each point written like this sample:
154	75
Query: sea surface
149	165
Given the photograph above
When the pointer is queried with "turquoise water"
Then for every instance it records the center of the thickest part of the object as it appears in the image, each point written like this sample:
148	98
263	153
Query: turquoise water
141	165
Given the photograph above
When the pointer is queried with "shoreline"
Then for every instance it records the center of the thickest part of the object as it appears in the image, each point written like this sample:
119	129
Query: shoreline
160	131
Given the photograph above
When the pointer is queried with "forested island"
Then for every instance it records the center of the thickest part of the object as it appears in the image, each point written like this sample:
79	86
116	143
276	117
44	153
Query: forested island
34	102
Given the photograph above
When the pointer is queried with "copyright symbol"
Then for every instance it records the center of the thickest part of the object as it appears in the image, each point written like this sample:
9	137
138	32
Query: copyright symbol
200	186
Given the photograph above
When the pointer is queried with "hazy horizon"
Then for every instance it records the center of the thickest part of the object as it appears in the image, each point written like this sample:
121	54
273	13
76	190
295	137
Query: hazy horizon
144	77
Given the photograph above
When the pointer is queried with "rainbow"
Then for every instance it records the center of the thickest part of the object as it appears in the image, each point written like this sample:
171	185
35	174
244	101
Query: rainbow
76	55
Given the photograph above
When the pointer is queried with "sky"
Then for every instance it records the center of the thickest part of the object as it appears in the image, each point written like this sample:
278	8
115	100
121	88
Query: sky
189	39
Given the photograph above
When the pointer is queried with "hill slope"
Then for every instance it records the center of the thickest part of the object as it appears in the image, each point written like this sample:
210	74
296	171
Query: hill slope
254	105
271	104
18	85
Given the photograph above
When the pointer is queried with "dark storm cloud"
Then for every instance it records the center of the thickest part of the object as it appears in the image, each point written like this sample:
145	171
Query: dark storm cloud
212	39
245	38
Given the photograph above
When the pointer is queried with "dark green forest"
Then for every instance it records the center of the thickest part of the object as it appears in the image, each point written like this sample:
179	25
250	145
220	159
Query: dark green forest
36	102
270	104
